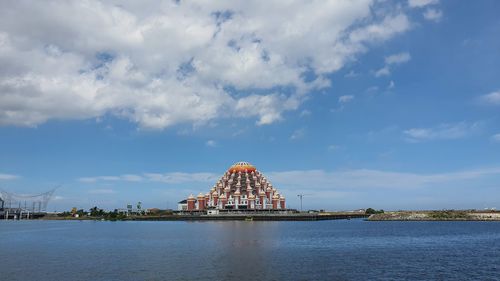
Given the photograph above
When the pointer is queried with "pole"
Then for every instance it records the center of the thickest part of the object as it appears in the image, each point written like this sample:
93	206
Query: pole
300	196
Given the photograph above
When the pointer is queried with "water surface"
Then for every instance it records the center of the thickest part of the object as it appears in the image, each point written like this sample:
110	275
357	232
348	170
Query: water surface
239	250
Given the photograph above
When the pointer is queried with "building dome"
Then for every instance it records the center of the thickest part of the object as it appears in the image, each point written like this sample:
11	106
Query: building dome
241	167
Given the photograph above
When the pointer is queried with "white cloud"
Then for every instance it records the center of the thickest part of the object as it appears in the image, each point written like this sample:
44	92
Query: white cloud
390	61
496	137
8	177
342	100
131	178
442	132
298	134
267	107
160	64
211	143
365	178
351	74
173	177
179	177
305	113
322	182
391	85
433	15
356	178
491	98
346	98
102	191
421	3
126	177
397	58
384	71
381	31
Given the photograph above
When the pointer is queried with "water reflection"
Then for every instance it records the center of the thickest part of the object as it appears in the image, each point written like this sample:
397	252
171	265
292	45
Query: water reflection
243	249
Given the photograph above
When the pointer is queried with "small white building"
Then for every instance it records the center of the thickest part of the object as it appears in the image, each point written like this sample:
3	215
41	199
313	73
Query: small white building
212	212
182	205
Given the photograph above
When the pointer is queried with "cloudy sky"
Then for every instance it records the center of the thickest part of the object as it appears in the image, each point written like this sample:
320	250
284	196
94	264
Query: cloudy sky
358	103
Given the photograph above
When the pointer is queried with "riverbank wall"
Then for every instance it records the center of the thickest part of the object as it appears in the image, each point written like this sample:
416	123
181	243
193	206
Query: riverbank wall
253	217
230	217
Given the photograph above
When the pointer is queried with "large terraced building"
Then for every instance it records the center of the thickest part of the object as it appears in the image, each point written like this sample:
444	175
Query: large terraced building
242	187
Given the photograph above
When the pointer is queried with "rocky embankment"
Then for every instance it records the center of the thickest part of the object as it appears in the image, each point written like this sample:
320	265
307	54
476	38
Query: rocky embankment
450	215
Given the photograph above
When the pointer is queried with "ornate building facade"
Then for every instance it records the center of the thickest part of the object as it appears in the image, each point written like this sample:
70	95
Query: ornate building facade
242	187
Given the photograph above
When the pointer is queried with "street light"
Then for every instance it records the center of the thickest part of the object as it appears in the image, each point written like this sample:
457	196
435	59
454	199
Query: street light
300	196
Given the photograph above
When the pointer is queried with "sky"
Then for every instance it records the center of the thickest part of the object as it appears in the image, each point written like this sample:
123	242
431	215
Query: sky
359	103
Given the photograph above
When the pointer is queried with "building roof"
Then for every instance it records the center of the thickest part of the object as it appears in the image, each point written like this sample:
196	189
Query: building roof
241	167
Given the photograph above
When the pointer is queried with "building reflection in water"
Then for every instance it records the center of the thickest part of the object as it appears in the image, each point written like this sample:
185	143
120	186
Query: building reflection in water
243	249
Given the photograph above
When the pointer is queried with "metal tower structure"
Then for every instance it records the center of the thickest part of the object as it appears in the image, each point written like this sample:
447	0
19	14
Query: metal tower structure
32	203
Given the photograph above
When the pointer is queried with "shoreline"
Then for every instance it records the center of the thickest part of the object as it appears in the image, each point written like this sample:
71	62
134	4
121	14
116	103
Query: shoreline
228	217
445	215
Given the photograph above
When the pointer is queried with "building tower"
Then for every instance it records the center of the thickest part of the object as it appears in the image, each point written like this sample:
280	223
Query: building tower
191	203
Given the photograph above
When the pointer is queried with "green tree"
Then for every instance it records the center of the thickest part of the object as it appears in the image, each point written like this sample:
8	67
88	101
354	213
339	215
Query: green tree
371	211
96	212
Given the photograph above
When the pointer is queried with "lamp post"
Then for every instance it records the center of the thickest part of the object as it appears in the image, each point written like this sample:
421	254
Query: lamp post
300	196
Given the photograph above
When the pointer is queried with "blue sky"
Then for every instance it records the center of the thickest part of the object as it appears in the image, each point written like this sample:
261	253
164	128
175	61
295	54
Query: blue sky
388	104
